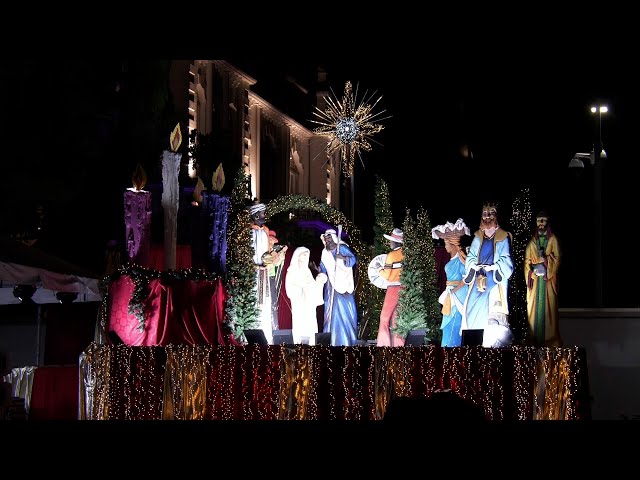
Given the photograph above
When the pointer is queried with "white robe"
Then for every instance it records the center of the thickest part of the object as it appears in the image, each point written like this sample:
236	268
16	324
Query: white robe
305	293
260	241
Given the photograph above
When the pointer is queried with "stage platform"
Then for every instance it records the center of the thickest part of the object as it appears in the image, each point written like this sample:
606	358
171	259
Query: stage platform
254	382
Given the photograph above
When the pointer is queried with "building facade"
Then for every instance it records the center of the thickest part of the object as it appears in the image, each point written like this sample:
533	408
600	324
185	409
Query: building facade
280	155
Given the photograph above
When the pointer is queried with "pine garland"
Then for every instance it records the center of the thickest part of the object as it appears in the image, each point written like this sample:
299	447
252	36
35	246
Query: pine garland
418	299
141	277
241	307
383	224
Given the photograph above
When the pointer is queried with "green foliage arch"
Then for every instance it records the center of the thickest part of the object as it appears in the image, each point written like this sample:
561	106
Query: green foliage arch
289	203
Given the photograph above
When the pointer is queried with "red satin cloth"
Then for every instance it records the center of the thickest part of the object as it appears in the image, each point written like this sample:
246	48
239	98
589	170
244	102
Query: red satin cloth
245	383
176	312
54	395
156	258
284	304
442	258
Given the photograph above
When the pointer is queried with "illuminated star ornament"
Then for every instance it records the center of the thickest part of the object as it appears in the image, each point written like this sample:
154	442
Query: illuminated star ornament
349	127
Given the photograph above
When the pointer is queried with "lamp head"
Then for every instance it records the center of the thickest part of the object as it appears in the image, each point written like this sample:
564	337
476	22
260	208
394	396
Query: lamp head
577	160
576	163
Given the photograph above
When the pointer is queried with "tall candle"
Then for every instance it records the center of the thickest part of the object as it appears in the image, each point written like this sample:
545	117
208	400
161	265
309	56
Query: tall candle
171	196
137	220
215	209
170	200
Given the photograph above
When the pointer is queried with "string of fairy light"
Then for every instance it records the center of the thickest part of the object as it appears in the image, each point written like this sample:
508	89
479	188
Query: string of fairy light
238	385
245	385
521	221
267	404
141	277
241	306
524	362
561	371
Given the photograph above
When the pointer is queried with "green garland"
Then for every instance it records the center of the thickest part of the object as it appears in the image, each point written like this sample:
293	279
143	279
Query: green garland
287	203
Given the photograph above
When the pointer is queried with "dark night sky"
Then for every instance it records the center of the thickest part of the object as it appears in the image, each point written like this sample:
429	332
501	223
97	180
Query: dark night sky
523	120
523	125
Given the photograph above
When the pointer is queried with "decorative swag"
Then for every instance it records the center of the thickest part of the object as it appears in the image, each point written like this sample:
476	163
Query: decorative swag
320	382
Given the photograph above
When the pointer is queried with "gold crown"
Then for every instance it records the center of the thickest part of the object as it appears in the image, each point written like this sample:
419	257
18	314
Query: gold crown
490	205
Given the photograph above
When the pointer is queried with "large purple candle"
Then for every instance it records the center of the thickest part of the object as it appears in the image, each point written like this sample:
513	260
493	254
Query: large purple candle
137	220
215	208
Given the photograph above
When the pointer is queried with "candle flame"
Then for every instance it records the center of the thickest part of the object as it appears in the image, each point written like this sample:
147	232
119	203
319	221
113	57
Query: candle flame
139	178
176	139
217	181
197	192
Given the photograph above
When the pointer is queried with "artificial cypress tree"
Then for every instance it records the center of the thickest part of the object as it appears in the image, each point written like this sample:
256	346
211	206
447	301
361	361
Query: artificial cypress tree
241	308
383	224
383	217
430	283
418	306
411	306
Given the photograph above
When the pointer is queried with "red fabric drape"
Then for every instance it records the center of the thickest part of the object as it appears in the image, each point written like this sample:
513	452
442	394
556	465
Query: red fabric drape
345	383
54	395
284	304
156	258
70	328
176	312
442	257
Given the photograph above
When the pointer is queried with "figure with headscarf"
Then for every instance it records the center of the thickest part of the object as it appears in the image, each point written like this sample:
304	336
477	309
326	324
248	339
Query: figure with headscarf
541	262
305	294
260	243
487	272
453	297
340	311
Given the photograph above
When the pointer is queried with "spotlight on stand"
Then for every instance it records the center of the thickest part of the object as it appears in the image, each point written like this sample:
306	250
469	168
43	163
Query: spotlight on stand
24	293
66	298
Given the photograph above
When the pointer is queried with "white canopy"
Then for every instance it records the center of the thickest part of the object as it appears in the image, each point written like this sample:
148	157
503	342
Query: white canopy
23	265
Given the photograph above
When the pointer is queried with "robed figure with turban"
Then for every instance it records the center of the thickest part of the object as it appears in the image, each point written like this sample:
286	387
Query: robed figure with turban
340	311
260	243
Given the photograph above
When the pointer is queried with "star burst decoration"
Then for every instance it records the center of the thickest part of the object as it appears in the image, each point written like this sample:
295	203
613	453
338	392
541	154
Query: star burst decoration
349	126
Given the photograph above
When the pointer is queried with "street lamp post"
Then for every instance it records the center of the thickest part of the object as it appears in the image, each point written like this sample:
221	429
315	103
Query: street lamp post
595	157
598	155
